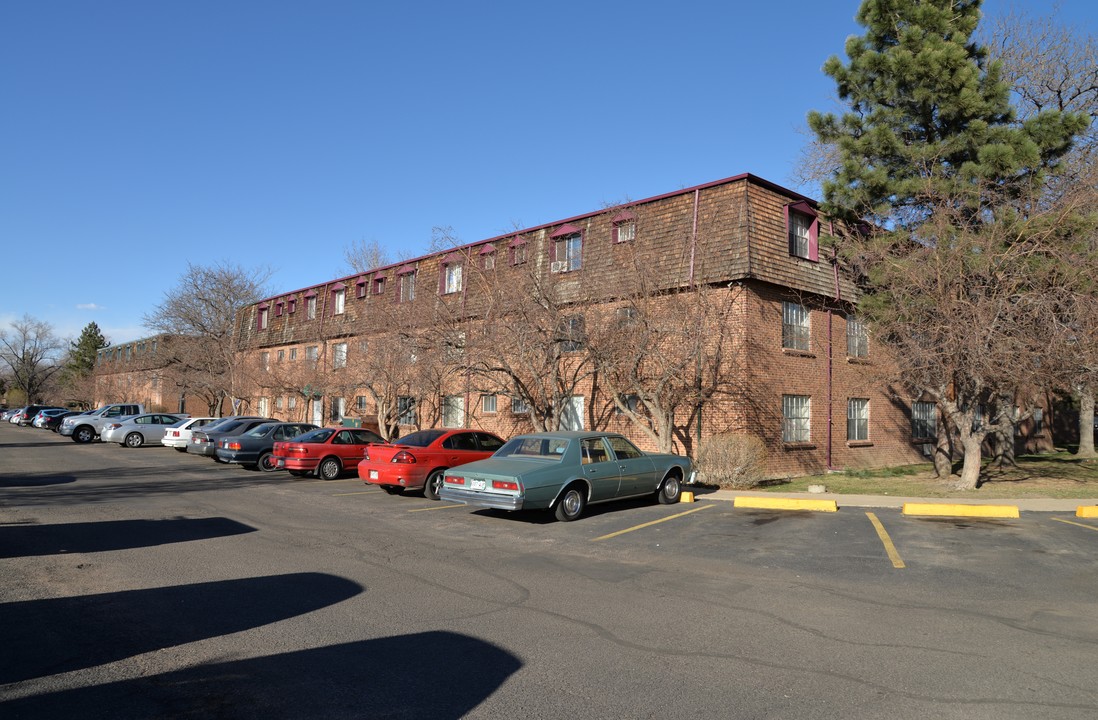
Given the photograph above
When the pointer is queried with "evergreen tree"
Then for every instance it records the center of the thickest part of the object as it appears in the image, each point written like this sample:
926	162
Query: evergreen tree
945	187
83	352
928	113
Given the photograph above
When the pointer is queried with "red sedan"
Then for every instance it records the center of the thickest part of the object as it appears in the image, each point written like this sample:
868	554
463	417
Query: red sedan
326	451
417	461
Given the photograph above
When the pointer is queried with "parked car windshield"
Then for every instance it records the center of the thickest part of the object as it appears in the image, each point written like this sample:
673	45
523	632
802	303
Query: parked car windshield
316	436
546	448
421	438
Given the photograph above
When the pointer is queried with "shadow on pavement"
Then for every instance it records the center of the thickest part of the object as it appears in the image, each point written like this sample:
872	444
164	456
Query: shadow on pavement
45	637
30	540
426	675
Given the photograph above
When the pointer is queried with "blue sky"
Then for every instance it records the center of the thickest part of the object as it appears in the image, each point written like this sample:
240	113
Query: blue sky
139	136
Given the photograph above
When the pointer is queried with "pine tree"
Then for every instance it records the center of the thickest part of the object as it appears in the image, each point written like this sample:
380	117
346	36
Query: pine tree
928	114
956	244
83	352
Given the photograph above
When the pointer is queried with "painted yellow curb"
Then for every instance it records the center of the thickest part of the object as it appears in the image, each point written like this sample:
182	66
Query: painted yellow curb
785	504
947	509
686	496
1087	511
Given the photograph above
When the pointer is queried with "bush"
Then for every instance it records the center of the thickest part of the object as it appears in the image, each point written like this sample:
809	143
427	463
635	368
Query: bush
733	461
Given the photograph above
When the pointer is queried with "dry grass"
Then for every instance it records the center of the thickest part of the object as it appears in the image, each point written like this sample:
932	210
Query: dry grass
1058	475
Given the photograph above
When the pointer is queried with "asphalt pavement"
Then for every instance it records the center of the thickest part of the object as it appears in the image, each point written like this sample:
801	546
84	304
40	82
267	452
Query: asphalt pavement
895	501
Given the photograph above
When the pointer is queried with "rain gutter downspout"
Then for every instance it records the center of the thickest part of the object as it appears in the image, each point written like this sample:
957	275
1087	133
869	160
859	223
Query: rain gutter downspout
830	361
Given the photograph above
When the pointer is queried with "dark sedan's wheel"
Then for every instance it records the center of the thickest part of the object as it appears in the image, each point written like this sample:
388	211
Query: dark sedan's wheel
298	473
267	462
329	469
393	489
571	504
433	485
83	434
670	490
134	440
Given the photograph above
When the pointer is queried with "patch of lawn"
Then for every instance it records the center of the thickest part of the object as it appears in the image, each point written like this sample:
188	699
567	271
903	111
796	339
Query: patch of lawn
1056	475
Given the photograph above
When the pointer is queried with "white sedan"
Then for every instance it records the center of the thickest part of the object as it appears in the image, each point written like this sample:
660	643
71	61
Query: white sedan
138	430
177	436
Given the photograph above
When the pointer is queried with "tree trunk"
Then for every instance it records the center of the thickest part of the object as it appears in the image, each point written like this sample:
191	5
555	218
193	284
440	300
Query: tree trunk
1086	423
970	470
943	449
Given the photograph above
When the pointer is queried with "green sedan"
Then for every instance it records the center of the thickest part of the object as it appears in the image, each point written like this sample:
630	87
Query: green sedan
565	472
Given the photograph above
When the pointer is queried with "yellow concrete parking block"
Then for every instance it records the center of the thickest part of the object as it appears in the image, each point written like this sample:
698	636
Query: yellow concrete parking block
1087	511
956	510
778	503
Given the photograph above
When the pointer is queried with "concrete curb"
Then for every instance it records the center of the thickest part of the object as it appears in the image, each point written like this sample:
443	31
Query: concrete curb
955	510
1085	508
780	503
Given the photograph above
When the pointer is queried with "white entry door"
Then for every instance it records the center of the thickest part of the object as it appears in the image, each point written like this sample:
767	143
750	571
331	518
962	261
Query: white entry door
318	412
572	418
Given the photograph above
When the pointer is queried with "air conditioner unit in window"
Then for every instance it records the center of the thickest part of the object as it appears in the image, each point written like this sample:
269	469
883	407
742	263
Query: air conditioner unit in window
558	266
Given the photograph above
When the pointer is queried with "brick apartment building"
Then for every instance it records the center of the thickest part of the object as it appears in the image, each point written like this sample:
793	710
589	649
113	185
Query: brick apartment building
149	371
797	368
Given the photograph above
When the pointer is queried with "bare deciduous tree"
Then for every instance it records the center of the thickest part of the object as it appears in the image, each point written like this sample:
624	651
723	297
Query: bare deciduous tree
365	255
202	308
33	355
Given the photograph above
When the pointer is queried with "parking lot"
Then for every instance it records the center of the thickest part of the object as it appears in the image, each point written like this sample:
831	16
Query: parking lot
133	574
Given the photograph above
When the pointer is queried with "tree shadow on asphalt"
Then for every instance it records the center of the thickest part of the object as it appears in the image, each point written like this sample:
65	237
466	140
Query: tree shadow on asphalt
54	635
424	675
45	487
85	537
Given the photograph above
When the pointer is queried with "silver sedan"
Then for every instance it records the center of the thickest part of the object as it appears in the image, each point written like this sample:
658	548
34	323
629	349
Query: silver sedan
138	430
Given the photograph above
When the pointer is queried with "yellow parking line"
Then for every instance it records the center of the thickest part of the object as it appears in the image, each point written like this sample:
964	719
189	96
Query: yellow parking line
893	554
648	524
438	507
1072	522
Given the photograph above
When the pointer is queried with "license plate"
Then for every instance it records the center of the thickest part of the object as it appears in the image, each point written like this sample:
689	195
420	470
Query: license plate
280	463
477	484
373	474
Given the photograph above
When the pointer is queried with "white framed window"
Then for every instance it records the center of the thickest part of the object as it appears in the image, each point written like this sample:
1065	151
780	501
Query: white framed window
799	226
857	419
262	318
263	406
796	326
265	361
293	353
339	302
519	407
408	287
452	278
291	402
453	411
857	338
311	354
573	334
310	307
336	406
518	253
488	404
281	355
406	410
279	402
360	403
339	355
924	420
625	231
796	418
569	252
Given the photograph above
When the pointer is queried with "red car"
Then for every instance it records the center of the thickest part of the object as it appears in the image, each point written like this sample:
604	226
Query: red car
327	451
417	461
